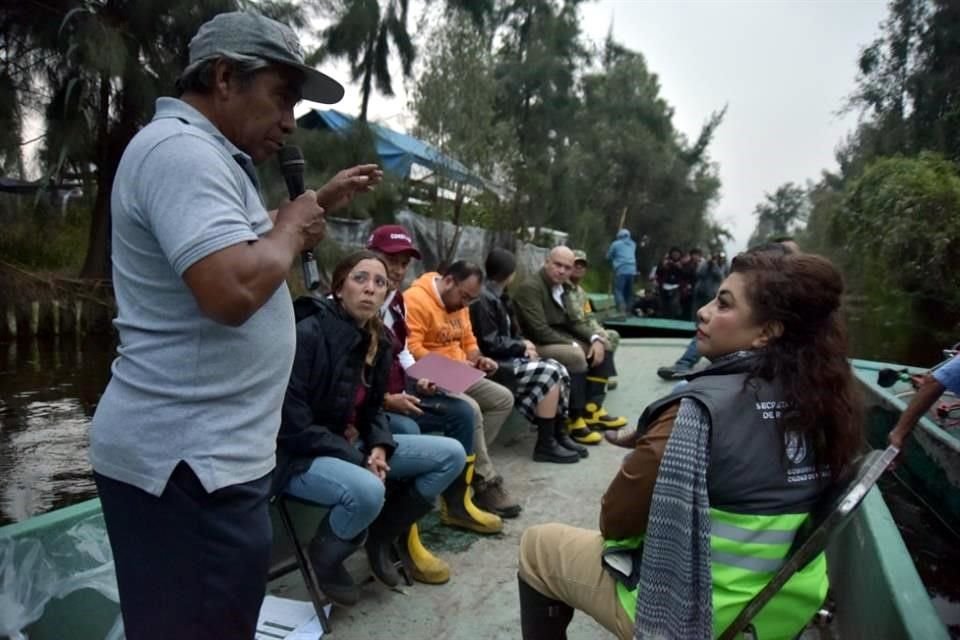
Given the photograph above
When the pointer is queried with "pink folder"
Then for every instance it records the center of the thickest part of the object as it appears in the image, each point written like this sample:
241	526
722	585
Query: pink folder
450	375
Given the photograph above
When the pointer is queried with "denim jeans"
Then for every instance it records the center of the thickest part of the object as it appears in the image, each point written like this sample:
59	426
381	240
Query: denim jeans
355	496
447	415
623	291
690	355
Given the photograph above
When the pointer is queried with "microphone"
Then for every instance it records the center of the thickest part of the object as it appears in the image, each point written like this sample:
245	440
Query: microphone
291	165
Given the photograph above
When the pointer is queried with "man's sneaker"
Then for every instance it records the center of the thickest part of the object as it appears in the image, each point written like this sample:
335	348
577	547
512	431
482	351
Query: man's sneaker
674	372
490	496
598	418
580	432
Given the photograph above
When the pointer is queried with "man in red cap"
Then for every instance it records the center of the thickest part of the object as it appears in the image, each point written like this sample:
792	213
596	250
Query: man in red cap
456	416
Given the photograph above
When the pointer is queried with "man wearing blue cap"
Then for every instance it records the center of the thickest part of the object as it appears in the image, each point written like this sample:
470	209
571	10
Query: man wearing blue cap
183	439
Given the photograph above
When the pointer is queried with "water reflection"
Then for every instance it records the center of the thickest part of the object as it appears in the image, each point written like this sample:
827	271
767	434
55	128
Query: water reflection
48	391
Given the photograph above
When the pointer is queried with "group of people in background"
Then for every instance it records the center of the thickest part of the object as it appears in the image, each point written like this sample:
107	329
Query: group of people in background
679	284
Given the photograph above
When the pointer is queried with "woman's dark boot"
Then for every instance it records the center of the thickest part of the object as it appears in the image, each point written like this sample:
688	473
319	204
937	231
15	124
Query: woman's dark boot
542	618
327	553
547	448
402	508
564	440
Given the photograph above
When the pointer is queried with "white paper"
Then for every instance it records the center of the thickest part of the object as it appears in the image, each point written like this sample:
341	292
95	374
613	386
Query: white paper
286	619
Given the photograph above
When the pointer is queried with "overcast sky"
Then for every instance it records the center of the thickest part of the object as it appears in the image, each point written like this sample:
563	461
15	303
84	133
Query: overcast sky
783	67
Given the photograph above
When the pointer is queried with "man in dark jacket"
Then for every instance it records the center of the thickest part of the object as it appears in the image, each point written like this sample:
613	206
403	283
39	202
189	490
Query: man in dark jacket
543	313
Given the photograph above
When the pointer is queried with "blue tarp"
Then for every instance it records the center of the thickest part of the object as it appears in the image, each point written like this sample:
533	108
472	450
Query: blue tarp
397	151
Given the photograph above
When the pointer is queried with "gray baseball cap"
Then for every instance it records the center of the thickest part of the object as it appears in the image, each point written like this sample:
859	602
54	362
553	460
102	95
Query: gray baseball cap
580	256
251	34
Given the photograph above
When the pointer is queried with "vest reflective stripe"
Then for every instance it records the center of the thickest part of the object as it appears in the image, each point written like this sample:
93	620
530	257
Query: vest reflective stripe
740	534
749	563
746	550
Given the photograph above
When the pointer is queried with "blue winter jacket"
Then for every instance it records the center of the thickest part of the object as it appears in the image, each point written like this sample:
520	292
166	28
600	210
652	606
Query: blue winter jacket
622	254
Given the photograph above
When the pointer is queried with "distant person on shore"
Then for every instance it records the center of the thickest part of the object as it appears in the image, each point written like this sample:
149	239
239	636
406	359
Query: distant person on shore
670	282
723	473
943	378
622	255
183	439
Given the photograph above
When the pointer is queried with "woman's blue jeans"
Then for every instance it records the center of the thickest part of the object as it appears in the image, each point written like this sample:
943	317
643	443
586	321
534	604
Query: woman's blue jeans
623	291
355	496
450	416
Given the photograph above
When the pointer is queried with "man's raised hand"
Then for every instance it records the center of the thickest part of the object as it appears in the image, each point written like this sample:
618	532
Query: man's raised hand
341	188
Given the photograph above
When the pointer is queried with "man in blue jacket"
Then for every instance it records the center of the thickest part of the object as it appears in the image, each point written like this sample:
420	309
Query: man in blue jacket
622	255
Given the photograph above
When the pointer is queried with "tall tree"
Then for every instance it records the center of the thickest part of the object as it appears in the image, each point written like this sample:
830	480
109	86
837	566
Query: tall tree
782	212
95	68
362	32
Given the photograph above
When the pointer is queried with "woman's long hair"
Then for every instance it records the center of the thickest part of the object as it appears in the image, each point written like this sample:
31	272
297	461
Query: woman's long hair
374	325
802	293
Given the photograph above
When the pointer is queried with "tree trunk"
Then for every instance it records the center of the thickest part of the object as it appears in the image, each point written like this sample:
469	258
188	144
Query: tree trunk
97	262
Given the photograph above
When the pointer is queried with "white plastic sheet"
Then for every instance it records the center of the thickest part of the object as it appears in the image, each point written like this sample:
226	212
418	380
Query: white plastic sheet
32	573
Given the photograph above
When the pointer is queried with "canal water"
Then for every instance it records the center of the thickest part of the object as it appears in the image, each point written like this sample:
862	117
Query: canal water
49	389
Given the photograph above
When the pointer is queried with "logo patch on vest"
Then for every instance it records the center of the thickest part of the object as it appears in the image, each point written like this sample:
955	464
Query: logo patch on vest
796	447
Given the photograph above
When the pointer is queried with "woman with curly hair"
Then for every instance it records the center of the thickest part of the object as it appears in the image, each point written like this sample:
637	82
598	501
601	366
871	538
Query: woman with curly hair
722	474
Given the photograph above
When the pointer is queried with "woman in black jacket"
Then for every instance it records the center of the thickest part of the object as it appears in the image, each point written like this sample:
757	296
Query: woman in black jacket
541	387
335	446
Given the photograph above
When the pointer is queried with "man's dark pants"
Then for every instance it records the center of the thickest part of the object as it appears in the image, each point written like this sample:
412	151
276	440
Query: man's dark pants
189	564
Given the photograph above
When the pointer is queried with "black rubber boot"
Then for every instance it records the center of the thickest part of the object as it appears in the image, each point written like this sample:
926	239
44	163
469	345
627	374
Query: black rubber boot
547	448
542	618
578	394
327	553
564	439
403	508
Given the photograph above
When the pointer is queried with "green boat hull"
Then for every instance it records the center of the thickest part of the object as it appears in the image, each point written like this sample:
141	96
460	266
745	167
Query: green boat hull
875	586
637	327
930	465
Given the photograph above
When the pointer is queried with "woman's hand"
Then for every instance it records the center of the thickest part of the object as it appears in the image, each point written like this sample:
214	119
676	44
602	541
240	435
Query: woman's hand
377	463
402	403
531	350
426	387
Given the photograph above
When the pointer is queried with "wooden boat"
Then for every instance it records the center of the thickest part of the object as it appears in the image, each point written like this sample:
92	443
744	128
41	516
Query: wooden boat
930	464
875	587
638	326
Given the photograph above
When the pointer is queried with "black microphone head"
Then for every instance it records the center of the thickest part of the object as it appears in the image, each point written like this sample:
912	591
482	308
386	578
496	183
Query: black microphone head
291	159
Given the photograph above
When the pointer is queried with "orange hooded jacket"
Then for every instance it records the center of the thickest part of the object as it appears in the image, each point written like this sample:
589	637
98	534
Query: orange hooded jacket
433	329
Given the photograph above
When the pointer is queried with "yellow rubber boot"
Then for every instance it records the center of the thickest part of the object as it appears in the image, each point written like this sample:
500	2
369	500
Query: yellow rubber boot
424	566
598	418
457	508
580	432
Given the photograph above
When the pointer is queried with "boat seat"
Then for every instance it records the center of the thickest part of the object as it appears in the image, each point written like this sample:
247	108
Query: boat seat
834	511
282	506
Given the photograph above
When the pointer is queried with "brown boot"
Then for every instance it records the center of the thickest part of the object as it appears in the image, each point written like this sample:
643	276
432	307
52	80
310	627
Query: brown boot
490	495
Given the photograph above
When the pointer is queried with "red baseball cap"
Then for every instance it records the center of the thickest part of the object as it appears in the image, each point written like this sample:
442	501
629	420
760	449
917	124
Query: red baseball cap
392	238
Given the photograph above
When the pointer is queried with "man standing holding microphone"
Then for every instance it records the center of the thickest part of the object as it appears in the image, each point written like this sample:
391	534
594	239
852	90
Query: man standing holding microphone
183	440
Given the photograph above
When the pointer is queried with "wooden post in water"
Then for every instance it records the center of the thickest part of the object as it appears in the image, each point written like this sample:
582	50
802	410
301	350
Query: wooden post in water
12	322
78	317
56	317
34	317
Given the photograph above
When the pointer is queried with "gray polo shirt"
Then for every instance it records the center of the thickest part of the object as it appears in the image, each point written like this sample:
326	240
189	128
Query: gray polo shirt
185	387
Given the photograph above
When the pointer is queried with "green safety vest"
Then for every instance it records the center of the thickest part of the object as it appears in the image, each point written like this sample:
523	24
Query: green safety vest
745	552
748	539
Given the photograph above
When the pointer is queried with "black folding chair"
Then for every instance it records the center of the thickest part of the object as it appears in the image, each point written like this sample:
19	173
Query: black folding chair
829	517
303	563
